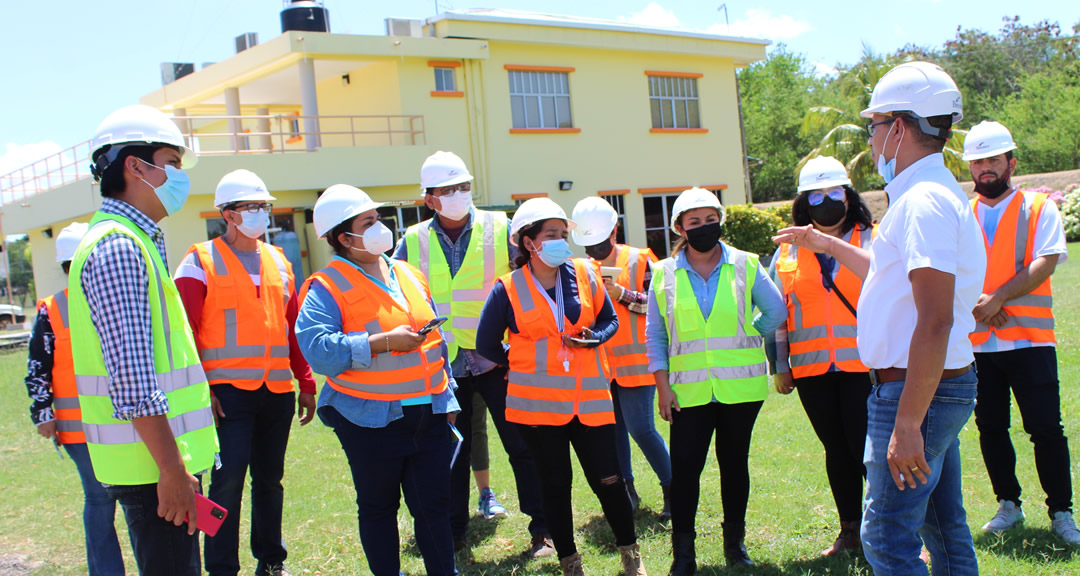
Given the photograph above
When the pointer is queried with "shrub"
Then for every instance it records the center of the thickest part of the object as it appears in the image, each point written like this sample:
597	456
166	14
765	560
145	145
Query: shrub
751	229
1070	213
783	211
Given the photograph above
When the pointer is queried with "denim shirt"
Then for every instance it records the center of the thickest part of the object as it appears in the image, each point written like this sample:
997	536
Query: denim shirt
330	351
467	362
764	296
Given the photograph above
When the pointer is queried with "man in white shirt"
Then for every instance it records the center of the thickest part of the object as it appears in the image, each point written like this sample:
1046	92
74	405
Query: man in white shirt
1014	339
924	275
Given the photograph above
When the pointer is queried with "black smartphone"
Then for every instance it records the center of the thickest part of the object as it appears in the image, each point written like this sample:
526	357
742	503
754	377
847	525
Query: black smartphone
435	323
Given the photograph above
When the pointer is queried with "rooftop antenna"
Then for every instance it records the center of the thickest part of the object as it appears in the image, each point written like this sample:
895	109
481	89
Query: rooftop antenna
727	24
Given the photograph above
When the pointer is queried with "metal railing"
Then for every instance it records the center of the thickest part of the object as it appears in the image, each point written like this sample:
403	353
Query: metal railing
230	135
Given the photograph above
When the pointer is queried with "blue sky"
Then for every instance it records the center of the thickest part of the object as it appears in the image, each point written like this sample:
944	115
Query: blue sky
68	63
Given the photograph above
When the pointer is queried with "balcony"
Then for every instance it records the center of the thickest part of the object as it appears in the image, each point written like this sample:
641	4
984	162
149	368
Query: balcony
230	135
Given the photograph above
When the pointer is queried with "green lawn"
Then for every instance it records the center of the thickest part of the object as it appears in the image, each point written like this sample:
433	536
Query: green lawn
791	514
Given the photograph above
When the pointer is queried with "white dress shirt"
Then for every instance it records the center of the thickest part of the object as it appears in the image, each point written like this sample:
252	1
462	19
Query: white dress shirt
929	224
1049	239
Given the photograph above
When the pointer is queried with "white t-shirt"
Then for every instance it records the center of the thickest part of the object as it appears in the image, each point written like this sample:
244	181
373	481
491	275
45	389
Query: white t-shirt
191	266
929	224
1049	239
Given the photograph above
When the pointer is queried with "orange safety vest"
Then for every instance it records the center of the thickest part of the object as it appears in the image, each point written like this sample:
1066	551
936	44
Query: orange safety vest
549	383
244	340
821	330
626	350
69	426
1031	316
367	307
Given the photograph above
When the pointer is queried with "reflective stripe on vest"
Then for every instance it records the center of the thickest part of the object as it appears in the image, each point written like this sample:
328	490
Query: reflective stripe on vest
116	450
821	330
541	390
65	394
626	350
461	296
366	307
720	358
1029	317
243	339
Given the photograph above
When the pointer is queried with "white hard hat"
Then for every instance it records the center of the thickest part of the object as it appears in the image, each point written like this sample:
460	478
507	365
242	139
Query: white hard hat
696	198
536	210
922	88
67	241
987	139
339	203
240	186
595	220
138	125
822	172
443	169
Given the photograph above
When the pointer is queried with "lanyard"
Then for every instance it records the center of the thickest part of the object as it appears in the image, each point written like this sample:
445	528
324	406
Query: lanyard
558	310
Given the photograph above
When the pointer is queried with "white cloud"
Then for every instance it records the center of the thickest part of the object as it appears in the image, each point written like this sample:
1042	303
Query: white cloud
43	155
763	24
823	69
16	156
654	16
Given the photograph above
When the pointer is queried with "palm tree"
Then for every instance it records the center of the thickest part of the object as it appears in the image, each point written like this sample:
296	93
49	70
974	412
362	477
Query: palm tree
845	131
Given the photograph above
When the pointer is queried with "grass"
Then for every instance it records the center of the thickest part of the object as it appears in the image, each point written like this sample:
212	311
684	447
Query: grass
791	515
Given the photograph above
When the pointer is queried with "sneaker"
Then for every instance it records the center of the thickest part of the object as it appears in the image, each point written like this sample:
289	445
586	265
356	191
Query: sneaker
1065	526
541	546
1008	515
489	506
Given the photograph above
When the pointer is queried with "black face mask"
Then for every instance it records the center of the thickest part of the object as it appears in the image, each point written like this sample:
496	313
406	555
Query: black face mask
829	213
704	238
601	250
993	188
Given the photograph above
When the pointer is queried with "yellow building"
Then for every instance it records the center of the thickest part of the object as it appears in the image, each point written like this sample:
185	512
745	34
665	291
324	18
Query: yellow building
536	105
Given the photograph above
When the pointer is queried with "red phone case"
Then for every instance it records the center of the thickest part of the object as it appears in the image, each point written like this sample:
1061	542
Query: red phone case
210	515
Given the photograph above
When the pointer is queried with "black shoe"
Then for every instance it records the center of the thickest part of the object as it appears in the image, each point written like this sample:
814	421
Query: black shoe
665	514
734	548
272	570
685	559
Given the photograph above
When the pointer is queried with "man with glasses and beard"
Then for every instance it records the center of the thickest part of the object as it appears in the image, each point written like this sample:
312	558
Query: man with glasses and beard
1014	339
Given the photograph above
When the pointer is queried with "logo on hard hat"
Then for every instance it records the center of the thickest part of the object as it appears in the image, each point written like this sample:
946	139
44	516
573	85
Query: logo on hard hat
453	173
822	176
956	103
981	145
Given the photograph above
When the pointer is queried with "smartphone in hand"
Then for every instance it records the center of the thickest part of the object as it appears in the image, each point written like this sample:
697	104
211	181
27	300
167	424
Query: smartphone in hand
210	516
435	323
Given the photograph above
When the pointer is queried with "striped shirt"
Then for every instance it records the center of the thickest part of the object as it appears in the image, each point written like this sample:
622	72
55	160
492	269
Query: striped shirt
115	282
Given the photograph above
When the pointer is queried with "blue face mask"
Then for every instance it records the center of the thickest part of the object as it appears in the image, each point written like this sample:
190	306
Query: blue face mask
887	169
554	252
174	192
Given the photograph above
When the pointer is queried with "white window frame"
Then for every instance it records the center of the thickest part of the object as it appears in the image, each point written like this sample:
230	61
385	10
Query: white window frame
446	75
531	91
670	94
669	235
618	202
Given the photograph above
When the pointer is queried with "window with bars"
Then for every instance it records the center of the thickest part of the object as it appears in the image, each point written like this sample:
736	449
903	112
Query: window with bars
444	80
658	233
618	202
399	218
540	99
674	102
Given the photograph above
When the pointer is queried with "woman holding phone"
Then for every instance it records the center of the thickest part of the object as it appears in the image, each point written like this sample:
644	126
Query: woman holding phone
388	395
705	349
557	312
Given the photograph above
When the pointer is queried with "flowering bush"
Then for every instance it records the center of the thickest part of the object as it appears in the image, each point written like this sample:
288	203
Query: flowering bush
1057	196
1070	212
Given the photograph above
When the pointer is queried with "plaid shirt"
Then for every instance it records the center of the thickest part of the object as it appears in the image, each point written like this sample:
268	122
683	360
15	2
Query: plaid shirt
115	282
637	302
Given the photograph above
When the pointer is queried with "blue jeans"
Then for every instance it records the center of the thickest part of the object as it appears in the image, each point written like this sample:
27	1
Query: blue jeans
103	557
161	548
634	416
896	524
253	435
409	456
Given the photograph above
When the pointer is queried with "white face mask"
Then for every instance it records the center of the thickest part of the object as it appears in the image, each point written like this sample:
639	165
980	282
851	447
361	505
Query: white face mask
254	225
455	206
377	239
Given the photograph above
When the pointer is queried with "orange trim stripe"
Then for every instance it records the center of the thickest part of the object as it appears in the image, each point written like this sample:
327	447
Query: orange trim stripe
620	192
443	64
526	68
715	187
673	74
663	189
545	130
217	213
678	130
528	196
447	93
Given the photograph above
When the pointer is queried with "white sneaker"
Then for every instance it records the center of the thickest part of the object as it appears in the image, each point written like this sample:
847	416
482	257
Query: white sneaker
1008	515
1065	526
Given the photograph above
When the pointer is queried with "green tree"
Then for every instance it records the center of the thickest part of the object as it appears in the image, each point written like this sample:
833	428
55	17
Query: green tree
21	269
774	94
1044	118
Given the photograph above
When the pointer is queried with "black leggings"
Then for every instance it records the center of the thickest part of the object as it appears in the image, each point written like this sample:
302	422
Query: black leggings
835	402
595	447
691	432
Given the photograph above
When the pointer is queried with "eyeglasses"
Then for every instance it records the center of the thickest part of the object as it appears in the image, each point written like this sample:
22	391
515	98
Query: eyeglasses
818	196
448	190
870	127
252	208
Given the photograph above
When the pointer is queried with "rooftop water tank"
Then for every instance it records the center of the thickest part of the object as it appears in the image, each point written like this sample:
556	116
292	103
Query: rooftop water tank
305	15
